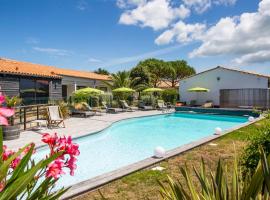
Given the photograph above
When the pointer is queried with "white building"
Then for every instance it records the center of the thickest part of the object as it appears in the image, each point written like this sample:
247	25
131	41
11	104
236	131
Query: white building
232	87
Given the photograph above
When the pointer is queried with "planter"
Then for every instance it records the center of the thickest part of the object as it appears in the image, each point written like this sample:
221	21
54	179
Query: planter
11	132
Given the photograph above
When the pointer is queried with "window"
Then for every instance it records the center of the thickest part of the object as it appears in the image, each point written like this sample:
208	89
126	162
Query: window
34	91
28	90
269	83
42	91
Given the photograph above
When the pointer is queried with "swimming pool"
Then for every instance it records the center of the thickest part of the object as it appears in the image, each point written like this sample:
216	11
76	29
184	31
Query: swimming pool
132	140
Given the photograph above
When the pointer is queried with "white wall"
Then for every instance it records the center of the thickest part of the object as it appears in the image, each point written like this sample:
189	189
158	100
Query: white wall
71	81
228	80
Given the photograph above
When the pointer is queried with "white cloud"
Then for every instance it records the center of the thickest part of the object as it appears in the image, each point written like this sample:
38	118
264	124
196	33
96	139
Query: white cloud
246	37
201	6
53	51
82	5
256	57
181	33
94	60
157	14
129	3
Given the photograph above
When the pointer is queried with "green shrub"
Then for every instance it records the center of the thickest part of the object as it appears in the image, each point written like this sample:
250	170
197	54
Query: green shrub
170	95
64	107
115	104
251	156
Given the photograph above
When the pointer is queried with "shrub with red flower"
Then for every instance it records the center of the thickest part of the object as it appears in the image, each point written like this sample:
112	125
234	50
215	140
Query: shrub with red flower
21	176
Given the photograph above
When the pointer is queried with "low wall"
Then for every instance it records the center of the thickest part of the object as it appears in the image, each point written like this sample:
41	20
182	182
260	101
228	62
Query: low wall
218	111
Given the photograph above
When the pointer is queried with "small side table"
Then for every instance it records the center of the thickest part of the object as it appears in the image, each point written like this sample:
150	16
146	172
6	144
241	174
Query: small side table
40	122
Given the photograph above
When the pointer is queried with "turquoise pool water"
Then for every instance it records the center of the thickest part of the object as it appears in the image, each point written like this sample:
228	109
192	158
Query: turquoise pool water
132	140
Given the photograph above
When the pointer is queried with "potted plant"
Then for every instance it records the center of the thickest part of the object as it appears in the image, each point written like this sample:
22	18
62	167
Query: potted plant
12	131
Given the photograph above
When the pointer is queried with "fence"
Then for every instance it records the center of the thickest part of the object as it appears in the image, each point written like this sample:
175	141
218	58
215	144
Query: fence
24	115
249	98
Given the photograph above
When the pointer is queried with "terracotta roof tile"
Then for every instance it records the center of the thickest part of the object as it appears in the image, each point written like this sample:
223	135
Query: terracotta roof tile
31	69
25	68
166	84
81	74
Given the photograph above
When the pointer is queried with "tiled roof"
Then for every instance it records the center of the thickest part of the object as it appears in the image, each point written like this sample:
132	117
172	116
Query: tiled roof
25	68
81	74
30	69
166	84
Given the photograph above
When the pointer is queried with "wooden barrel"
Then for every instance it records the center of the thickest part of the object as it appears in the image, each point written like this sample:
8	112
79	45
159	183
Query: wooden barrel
11	132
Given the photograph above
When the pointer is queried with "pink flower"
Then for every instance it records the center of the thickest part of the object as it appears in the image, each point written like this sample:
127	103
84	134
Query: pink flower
55	169
2	186
71	165
67	159
4	113
49	139
2	98
15	162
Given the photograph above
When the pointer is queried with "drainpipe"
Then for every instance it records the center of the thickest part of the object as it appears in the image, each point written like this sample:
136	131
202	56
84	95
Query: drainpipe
75	86
268	98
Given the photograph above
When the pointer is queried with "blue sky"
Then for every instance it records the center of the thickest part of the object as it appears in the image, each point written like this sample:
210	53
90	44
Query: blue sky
116	34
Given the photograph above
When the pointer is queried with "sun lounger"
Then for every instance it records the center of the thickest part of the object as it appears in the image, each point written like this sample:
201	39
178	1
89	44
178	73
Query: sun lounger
207	105
161	105
110	109
126	107
142	106
83	113
55	117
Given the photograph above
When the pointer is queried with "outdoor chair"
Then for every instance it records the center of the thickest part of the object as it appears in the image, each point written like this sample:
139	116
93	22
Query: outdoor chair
89	108
207	105
79	111
161	105
55	117
110	109
142	106
126	107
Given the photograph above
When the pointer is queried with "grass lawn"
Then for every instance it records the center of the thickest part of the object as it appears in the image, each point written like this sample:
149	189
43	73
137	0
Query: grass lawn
143	184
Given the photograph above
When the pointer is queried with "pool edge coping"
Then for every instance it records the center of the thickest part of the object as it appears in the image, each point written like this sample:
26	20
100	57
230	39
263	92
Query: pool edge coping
101	180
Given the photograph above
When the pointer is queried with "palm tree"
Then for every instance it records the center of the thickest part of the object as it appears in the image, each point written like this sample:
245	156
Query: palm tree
122	79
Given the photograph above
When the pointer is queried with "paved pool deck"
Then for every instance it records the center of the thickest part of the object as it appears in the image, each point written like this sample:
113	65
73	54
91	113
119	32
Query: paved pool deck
77	127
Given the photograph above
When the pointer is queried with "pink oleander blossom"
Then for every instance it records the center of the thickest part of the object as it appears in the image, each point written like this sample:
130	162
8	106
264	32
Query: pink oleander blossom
66	160
55	169
2	98
4	111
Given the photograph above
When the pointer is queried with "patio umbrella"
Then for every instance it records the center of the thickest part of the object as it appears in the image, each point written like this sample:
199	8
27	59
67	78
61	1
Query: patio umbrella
88	91
86	94
150	90
123	90
198	90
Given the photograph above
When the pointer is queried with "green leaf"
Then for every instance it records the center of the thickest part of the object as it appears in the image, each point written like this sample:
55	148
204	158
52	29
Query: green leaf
22	165
5	165
21	183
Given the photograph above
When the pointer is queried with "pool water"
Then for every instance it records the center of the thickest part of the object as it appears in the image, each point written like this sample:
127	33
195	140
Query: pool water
133	140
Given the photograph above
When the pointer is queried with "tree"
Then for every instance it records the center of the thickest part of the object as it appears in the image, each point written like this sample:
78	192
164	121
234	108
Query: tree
176	70
121	79
156	69
102	71
141	77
